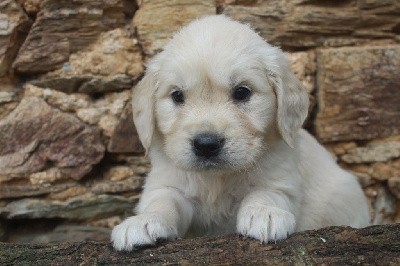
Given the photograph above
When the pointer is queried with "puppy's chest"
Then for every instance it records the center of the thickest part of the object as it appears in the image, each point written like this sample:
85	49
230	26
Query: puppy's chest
216	202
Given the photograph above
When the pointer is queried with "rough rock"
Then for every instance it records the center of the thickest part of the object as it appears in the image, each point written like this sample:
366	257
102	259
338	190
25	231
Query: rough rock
69	193
103	112
14	27
86	83
31	7
304	66
87	206
112	63
48	176
394	186
383	205
63	101
108	123
380	171
304	23
114	103
64	233
357	87
125	138
26	189
373	152
34	136
9	96
386	170
106	84
150	20
65	27
139	164
115	52
118	173
130	184
109	222
6	96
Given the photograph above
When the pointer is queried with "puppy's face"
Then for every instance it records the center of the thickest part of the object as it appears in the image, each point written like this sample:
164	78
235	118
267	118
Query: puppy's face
214	99
212	113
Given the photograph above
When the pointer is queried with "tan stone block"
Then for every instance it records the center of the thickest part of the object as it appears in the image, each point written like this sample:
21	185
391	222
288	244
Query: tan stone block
68	193
14	27
118	173
115	52
63	101
124	138
157	20
24	188
130	184
105	109
65	27
373	152
112	63
35	137
304	23
109	222
358	93
383	205
32	7
387	170
341	147
304	66
82	207
47	177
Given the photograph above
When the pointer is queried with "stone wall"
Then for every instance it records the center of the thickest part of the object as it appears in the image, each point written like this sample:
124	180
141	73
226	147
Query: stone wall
71	165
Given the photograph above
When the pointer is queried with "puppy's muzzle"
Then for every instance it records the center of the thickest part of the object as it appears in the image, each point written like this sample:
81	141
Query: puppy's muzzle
208	145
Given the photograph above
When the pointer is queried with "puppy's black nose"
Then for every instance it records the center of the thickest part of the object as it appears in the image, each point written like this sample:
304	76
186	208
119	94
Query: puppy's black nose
207	145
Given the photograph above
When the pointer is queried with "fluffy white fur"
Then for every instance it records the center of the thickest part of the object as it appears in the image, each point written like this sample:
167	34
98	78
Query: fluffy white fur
271	179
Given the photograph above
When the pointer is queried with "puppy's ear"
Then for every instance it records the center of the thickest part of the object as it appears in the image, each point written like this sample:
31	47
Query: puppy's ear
143	109
292	101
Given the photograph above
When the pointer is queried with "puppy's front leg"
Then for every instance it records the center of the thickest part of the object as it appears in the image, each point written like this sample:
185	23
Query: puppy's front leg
265	216
163	214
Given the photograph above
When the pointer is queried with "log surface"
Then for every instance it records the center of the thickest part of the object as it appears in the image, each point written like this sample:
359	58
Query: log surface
333	245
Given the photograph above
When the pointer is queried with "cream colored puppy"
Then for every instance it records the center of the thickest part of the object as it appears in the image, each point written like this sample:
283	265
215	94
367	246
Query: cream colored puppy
219	112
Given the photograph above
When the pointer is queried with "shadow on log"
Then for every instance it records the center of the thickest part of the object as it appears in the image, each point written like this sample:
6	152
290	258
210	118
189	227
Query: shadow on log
332	245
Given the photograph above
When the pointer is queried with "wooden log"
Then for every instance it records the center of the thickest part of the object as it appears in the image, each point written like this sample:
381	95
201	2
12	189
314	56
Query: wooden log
333	245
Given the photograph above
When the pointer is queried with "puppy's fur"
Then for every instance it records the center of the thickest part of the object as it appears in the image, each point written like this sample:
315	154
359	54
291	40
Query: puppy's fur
269	179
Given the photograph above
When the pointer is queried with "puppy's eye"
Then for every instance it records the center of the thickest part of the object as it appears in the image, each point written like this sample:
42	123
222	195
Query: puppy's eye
241	94
178	97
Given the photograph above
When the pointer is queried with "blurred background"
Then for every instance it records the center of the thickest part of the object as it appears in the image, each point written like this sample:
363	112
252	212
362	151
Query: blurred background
71	164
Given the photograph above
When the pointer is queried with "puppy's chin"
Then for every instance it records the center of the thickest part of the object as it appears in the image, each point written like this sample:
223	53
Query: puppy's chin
214	164
218	164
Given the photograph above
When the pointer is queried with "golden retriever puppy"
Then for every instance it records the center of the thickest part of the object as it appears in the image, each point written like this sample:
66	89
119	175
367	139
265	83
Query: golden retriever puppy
219	112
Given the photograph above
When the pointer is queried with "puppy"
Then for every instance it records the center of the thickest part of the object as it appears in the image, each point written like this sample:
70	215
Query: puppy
219	112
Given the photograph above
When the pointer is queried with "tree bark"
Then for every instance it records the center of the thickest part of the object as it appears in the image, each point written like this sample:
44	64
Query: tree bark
333	245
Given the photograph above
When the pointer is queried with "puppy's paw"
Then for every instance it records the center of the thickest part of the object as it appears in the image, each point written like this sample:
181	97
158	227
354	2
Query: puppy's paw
142	230
265	223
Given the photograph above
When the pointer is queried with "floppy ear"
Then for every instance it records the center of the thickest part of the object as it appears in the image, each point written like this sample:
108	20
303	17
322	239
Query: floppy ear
142	109
292	101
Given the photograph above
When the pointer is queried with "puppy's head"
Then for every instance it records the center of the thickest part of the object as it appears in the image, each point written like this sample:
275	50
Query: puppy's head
216	96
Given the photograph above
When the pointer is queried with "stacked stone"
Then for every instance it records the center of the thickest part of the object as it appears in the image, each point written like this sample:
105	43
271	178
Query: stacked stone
69	152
